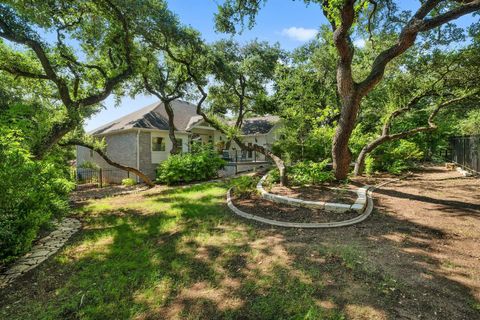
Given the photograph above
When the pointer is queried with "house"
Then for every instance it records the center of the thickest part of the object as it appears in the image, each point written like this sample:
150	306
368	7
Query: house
140	139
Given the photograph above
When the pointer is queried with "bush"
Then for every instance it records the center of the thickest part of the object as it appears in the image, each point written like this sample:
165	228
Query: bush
244	185
395	157
32	193
201	165
304	172
128	182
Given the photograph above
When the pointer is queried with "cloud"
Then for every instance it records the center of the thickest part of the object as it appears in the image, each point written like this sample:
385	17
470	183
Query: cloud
299	34
359	43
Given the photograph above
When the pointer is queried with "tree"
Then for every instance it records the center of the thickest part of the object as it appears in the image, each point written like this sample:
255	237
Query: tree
449	79
199	63
343	16
241	76
103	32
306	100
168	81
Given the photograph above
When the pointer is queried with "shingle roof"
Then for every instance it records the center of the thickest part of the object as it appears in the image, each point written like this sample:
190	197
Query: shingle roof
258	125
153	116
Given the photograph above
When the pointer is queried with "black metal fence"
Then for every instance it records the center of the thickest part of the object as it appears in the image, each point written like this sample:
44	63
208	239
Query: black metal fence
465	151
99	177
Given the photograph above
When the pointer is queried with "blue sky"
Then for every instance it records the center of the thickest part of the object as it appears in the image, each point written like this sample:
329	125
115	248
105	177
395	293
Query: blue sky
291	23
276	22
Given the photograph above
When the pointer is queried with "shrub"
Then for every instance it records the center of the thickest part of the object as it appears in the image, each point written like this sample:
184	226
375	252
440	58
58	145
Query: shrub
304	172
128	182
32	193
201	165
395	157
244	185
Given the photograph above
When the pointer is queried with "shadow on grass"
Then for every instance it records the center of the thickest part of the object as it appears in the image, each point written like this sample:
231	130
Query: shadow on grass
197	261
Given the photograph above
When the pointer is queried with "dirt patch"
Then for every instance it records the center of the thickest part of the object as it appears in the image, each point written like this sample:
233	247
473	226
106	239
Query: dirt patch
254	204
339	193
84	193
421	246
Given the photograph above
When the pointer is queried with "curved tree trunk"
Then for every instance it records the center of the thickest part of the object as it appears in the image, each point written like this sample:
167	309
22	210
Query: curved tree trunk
341	155
279	163
360	163
141	175
386	136
171	128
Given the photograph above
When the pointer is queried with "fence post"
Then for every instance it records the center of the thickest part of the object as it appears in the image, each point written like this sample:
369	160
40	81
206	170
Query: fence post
128	174
254	155
100	177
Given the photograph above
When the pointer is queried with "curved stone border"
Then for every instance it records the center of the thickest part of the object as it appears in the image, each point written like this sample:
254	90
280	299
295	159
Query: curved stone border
44	248
358	206
360	218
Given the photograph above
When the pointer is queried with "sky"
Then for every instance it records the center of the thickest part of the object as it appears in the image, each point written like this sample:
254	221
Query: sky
291	23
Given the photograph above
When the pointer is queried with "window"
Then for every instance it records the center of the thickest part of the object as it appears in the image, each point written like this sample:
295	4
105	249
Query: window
179	143
158	144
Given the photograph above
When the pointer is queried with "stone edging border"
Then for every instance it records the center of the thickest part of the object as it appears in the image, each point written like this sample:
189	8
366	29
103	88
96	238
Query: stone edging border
40	252
368	210
358	206
335	224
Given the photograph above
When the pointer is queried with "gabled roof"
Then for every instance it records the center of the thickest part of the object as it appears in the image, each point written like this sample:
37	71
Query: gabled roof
258	125
153	116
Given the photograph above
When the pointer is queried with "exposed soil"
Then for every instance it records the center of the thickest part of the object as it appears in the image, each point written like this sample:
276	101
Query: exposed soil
254	204
424	235
416	257
340	193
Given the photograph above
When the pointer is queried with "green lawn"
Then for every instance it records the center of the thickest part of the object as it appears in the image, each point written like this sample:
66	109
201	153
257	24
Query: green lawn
180	253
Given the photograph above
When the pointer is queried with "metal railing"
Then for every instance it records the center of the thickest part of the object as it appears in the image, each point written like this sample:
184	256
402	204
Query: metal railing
243	156
100	177
465	151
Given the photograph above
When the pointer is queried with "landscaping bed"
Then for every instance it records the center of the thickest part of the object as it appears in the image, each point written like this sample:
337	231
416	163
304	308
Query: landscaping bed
338	193
258	206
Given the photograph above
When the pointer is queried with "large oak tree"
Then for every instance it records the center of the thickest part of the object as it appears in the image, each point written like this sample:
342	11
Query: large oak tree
344	16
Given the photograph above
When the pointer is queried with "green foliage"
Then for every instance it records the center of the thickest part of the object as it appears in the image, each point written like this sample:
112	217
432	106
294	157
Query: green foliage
471	124
89	165
395	157
304	172
128	182
196	166
32	193
244	185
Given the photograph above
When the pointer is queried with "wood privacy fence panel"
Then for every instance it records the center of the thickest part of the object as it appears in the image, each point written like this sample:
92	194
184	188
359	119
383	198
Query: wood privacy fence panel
465	151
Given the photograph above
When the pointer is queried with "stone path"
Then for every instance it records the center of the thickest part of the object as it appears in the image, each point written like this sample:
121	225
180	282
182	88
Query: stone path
40	252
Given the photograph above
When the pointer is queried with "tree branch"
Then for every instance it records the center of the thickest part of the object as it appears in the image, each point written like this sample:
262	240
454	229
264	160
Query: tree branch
101	153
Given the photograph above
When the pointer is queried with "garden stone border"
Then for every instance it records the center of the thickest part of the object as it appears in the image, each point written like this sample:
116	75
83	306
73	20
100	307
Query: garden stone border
360	218
41	251
368	210
358	206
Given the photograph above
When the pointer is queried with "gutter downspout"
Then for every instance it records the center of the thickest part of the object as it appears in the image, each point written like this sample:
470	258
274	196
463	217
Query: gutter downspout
138	151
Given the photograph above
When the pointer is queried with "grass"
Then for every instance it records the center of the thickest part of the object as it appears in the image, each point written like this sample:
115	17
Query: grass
179	253
175	253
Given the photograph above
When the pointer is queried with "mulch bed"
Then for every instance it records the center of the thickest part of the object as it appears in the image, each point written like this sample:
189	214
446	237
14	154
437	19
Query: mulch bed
254	204
339	193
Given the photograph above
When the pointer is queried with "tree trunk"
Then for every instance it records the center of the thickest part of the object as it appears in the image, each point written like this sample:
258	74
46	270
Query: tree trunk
341	155
171	128
360	163
279	163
